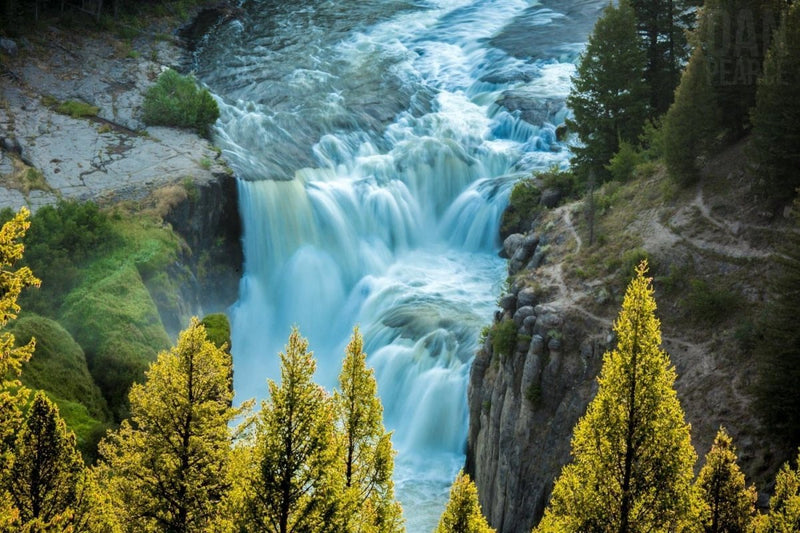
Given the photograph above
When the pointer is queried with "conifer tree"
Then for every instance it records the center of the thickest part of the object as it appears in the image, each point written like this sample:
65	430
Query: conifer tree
609	95
12	394
784	506
166	467
777	353
46	471
776	117
368	458
728	504
662	26
463	512
689	123
296	484
632	455
734	35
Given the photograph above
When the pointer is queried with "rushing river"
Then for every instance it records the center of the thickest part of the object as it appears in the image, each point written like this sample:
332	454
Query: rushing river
374	160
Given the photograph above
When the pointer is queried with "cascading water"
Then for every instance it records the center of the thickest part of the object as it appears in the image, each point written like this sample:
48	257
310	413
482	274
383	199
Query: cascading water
374	165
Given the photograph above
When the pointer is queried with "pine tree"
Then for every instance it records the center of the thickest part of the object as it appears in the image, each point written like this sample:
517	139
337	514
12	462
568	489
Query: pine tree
776	117
12	395
609	95
368	458
166	467
734	35
784	506
662	27
46	470
463	512
296	484
689	123
728	504
777	353
632	456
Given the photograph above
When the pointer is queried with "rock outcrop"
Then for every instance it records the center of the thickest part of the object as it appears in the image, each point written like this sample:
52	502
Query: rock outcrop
523	406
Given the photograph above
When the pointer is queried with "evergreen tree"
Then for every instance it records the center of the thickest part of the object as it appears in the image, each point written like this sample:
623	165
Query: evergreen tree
663	26
778	351
728	504
776	117
632	456
46	471
609	95
734	35
12	394
166	467
368	458
296	484
784	506
689	123
463	512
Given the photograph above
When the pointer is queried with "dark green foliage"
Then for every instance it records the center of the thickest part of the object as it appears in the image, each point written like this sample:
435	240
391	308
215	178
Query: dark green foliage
523	204
176	100
662	27
690	123
708	304
60	241
734	36
564	181
776	117
609	97
218	329
504	337
778	349
624	162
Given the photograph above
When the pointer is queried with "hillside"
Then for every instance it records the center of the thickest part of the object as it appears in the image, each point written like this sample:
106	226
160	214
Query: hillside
710	248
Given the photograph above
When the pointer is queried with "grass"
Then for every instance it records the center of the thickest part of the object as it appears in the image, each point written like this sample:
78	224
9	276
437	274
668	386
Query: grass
77	109
504	338
218	329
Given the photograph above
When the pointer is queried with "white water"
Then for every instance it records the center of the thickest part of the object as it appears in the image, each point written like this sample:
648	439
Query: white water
391	225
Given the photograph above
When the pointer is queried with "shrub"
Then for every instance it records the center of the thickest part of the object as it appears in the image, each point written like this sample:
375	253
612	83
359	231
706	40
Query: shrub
218	329
623	163
177	101
523	205
708	304
563	180
504	337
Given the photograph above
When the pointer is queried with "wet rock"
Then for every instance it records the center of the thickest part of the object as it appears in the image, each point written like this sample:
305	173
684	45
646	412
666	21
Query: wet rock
511	243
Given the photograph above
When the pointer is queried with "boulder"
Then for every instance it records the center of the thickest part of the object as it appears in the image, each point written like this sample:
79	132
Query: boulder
526	296
507	302
511	243
521	314
550	198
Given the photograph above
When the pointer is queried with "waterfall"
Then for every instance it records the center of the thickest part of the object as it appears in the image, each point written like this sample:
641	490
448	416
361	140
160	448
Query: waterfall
374	165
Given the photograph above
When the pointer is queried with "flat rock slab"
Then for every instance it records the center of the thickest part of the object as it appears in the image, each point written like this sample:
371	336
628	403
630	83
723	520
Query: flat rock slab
111	157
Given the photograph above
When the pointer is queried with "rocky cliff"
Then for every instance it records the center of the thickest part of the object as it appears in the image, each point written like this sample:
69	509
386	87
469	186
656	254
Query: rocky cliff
710	251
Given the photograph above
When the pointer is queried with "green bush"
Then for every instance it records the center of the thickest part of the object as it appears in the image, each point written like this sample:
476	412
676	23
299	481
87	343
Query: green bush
523	205
563	180
504	337
624	162
176	100
710	305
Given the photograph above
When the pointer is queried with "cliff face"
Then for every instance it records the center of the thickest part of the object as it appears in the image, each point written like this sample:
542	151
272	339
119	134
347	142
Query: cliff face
208	220
711	250
524	405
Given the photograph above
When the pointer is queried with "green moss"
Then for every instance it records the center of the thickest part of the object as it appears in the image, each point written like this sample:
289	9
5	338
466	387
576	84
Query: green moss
58	365
218	329
116	321
77	109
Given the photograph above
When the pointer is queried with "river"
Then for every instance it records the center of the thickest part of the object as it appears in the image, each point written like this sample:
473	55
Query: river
374	160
